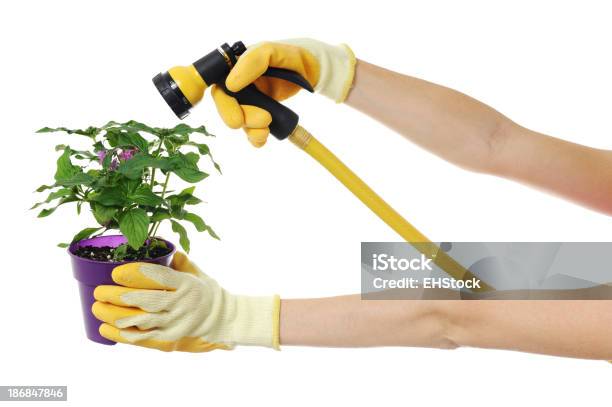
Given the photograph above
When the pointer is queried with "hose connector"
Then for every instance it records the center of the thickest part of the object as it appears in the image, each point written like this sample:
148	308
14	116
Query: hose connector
300	137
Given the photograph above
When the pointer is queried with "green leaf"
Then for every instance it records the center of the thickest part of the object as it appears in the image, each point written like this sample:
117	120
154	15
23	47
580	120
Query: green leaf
186	196
133	125
90	132
199	224
193	200
205	150
102	213
133	167
54	195
184	129
120	252
65	168
85	233
63	245
77	179
110	124
183	239
159	215
98	146
129	186
157	243
134	224
46	212
77	153
174	141
186	167
45	187
121	138
197	221
212	233
183	198
138	141
49	211
177	211
104	180
109	197
108	159
187	191
144	196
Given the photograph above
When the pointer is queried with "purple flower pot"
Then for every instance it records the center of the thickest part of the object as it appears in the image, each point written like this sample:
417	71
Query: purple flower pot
92	273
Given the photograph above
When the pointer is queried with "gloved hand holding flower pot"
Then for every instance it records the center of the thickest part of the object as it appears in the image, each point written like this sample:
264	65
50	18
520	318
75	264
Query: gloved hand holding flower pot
329	69
181	308
124	180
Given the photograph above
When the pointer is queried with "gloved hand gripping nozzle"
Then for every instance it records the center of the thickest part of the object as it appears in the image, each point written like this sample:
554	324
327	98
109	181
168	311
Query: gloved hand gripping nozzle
183	86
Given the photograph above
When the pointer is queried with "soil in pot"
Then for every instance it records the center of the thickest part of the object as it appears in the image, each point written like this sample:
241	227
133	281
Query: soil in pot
107	253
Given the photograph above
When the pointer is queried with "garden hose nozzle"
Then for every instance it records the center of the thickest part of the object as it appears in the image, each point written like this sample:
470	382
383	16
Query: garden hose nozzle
183	86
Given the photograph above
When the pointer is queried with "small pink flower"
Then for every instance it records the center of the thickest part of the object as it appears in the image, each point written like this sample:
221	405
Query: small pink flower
101	156
127	154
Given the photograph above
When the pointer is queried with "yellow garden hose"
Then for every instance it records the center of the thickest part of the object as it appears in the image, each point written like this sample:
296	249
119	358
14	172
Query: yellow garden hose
304	140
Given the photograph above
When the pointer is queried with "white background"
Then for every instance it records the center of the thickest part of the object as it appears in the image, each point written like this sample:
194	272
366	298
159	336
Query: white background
288	227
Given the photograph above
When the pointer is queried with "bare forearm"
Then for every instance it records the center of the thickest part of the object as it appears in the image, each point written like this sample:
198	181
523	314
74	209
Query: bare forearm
578	328
566	328
578	173
348	321
474	136
448	123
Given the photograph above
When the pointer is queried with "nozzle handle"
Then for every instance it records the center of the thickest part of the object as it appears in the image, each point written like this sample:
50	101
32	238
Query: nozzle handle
284	120
289	76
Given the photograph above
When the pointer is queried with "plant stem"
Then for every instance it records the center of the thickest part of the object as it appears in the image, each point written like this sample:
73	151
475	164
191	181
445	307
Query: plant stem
161	143
150	234
165	185
155	225
153	178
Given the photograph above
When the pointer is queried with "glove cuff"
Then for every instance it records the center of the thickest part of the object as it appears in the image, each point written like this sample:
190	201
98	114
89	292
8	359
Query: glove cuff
337	72
336	67
256	321
351	62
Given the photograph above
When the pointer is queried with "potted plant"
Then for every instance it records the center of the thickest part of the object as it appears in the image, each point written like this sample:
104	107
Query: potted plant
123	180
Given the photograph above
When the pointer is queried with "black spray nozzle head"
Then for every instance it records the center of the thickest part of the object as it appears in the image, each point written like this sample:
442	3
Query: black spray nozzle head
172	94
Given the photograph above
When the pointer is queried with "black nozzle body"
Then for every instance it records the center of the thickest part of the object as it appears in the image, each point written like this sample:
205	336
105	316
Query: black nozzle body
215	66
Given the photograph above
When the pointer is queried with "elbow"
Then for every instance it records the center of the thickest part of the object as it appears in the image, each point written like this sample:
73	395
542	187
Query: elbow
447	342
446	331
495	145
457	329
487	152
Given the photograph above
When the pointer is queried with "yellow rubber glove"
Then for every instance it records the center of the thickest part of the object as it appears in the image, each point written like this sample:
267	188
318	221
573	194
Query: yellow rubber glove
329	69
181	308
